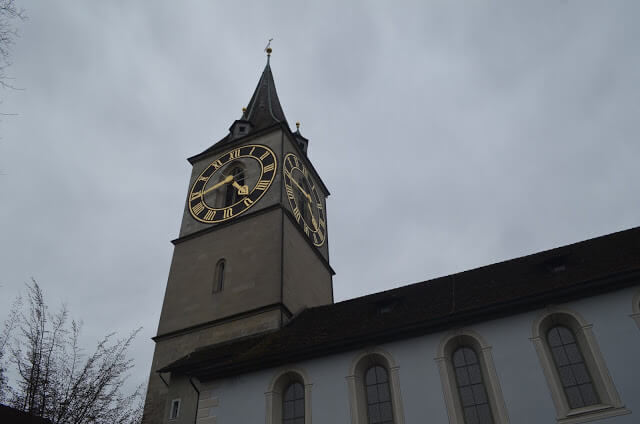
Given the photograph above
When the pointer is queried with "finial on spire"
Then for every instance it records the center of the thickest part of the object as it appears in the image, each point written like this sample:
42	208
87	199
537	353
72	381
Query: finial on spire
298	125
268	49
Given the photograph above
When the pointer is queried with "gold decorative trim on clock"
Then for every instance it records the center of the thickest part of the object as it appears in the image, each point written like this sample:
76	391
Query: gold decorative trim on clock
207	186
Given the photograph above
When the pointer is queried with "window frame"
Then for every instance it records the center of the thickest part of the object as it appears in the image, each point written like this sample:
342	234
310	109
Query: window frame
173	402
610	404
275	392
355	381
448	345
219	273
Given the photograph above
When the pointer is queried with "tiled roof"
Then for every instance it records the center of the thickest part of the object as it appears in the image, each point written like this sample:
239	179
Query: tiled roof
578	270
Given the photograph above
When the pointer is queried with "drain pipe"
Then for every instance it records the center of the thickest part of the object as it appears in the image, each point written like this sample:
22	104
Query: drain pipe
195	419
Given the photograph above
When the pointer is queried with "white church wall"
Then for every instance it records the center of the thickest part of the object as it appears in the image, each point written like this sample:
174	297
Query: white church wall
519	372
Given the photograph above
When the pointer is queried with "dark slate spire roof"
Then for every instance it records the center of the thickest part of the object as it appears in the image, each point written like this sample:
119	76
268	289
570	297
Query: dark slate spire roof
264	109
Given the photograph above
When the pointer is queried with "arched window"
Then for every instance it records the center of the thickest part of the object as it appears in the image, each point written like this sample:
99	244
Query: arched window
574	375
471	388
218	276
379	407
374	389
288	398
580	383
293	404
231	194
469	380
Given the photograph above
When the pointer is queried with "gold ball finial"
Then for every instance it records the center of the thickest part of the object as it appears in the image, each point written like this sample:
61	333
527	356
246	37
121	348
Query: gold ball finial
269	50
244	109
298	125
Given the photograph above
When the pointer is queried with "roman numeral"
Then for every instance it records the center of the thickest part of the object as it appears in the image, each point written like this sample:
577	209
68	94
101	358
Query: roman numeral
264	156
297	214
227	213
289	192
252	149
234	154
247	202
195	195
210	214
205	179
322	223
262	185
217	164
197	208
269	168
306	229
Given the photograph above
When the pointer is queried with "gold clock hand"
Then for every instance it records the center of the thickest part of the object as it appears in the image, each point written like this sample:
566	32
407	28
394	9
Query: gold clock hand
301	189
242	190
313	219
227	180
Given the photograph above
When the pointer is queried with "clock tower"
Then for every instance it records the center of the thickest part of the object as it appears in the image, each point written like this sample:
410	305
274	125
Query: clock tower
252	249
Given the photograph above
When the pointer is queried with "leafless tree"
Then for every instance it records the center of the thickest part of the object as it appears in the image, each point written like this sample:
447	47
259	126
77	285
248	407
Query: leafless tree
9	13
56	380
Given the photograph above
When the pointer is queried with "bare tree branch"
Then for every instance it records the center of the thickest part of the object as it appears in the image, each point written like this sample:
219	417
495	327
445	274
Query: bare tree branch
56	380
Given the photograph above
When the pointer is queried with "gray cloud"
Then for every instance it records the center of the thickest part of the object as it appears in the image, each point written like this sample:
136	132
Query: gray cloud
451	135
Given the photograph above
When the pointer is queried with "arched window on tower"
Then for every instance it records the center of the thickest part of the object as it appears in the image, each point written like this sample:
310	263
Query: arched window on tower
218	276
231	194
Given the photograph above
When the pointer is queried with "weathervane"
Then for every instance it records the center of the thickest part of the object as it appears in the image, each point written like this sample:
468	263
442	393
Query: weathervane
268	48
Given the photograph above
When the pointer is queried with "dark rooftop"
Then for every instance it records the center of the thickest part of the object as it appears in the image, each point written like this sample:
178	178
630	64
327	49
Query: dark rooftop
554	276
10	415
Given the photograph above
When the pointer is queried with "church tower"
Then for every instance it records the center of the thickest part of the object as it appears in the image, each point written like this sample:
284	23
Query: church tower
252	249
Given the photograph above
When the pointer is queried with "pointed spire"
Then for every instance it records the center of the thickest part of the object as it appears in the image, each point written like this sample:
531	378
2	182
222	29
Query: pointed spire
264	107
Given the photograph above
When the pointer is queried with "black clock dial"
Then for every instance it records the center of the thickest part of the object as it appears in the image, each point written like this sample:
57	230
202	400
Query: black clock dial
213	180
306	203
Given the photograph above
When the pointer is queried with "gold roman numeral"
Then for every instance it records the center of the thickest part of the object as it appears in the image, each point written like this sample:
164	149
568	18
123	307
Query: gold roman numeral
262	185
227	213
210	214
217	164
264	156
247	202
289	192
198	208
201	178
297	214
306	229
322	223
234	154
252	149
269	167
195	195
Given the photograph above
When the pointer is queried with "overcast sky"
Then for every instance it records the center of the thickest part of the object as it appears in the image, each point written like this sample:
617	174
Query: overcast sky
487	130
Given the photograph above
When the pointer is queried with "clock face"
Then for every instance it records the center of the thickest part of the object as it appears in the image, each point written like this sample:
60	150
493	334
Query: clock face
306	203
232	184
